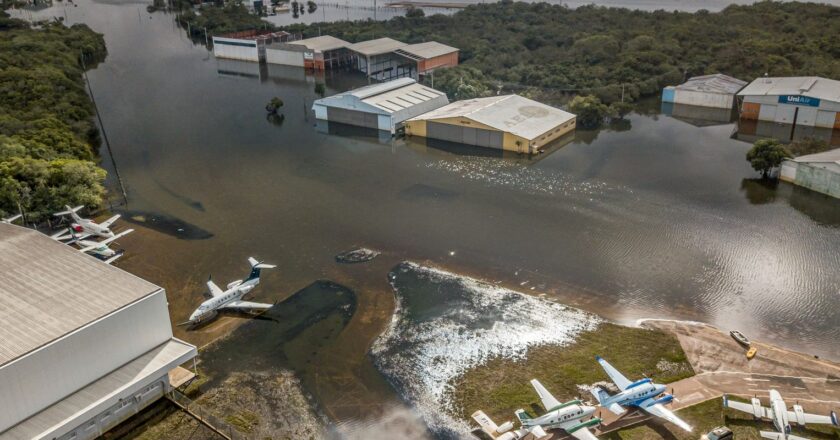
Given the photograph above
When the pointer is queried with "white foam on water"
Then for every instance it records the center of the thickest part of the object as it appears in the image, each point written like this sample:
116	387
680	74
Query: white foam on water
422	358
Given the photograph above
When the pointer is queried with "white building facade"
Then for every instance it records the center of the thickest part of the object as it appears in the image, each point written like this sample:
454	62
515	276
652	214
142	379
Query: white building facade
807	101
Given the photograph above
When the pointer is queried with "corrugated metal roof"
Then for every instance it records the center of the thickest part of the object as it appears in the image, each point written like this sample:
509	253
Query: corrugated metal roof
376	89
824	157
322	43
716	83
813	86
429	49
48	289
390	97
157	361
512	113
376	47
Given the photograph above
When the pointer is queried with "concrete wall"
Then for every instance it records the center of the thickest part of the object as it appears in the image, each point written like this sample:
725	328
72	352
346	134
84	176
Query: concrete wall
284	57
235	49
819	177
704	99
32	382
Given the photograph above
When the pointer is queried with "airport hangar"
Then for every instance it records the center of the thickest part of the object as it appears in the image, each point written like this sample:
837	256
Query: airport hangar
507	122
716	91
83	345
818	172
246	45
806	101
381	106
317	53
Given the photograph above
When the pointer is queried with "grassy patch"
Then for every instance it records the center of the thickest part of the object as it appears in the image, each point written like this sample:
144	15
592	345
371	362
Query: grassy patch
501	386
243	421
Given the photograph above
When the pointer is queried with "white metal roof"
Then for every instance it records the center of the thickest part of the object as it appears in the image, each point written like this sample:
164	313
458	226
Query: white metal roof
813	86
376	47
48	289
429	49
322	43
389	97
101	392
716	83
512	113
824	157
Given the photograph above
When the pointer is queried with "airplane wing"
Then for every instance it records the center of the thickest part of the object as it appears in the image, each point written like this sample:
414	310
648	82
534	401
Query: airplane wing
754	408
779	436
486	423
214	289
11	219
110	221
546	398
583	434
246	305
106	241
803	418
618	379
660	411
114	258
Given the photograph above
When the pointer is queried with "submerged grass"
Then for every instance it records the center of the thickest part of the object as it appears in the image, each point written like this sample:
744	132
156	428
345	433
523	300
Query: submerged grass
500	386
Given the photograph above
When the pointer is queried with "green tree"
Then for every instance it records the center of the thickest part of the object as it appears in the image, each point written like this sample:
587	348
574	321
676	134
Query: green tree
767	154
589	110
274	105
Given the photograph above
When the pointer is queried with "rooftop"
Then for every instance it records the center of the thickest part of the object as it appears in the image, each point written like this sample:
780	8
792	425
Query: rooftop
391	96
322	43
48	289
717	83
255	34
429	49
824	157
376	47
813	86
512	113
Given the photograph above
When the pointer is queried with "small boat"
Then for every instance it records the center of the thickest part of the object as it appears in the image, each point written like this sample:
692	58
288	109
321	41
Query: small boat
751	352
739	338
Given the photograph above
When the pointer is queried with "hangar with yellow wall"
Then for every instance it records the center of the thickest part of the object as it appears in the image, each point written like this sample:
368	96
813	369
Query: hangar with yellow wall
508	122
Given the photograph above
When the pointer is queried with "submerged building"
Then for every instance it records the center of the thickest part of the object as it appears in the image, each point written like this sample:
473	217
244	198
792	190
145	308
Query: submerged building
426	57
246	45
808	101
83	345
376	59
819	172
508	122
318	53
714	91
381	106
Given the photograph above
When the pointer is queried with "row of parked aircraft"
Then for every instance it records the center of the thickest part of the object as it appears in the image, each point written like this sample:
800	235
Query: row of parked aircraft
576	418
82	233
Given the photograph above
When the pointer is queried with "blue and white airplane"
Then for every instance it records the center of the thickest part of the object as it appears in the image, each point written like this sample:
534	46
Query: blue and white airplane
642	394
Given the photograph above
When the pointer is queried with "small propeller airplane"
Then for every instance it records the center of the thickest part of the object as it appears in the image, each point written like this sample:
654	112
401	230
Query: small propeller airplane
780	416
11	219
504	431
566	416
84	227
230	298
643	394
100	249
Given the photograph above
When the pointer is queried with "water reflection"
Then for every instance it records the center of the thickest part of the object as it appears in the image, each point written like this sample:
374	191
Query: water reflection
699	116
749	130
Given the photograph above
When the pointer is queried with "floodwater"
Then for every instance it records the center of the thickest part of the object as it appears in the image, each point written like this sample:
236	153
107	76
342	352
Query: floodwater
654	217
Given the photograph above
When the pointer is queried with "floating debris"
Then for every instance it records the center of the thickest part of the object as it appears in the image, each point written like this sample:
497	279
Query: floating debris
360	255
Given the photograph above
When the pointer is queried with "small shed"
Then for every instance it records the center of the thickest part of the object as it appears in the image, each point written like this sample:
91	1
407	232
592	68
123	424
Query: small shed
380	106
429	56
715	91
318	53
508	122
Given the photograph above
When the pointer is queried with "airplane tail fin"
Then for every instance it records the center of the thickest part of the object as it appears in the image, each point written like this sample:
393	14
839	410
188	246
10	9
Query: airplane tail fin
256	266
11	219
68	210
600	394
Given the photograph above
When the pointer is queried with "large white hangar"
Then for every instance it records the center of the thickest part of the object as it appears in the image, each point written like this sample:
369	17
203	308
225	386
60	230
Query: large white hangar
381	106
808	101
83	345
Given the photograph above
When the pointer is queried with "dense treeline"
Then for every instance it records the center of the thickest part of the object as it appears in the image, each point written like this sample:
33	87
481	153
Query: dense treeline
46	118
232	17
595	49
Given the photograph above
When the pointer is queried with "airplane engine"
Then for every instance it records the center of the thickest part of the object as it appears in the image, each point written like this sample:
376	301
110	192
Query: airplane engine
233	284
504	427
666	399
800	415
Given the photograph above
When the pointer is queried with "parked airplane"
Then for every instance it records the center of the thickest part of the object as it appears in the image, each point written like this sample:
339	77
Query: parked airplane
100	249
781	417
566	416
230	298
505	431
83	226
642	394
11	219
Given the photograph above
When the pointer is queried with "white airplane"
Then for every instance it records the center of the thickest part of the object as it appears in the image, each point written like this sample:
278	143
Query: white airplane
642	394
505	431
83	226
230	298
100	249
566	416
781	417
11	219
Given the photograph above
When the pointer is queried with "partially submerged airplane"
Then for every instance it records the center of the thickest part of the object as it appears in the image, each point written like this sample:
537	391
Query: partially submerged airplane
780	416
11	219
505	431
81	228
566	416
100	249
642	394
230	298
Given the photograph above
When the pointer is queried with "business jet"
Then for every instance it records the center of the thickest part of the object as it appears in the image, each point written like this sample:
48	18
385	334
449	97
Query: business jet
81	228
567	416
101	249
780	416
11	219
504	431
642	394
231	298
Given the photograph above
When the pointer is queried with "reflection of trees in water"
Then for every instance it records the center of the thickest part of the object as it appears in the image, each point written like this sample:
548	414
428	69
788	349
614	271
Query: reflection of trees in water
589	136
821	208
759	191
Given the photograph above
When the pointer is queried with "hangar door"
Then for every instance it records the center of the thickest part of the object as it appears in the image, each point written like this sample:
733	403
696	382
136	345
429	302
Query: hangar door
465	135
352	117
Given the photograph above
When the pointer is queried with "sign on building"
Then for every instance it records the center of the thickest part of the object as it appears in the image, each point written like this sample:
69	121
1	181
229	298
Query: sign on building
799	100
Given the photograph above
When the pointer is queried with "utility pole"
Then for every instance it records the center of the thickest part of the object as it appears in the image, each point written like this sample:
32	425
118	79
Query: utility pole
206	42
622	92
